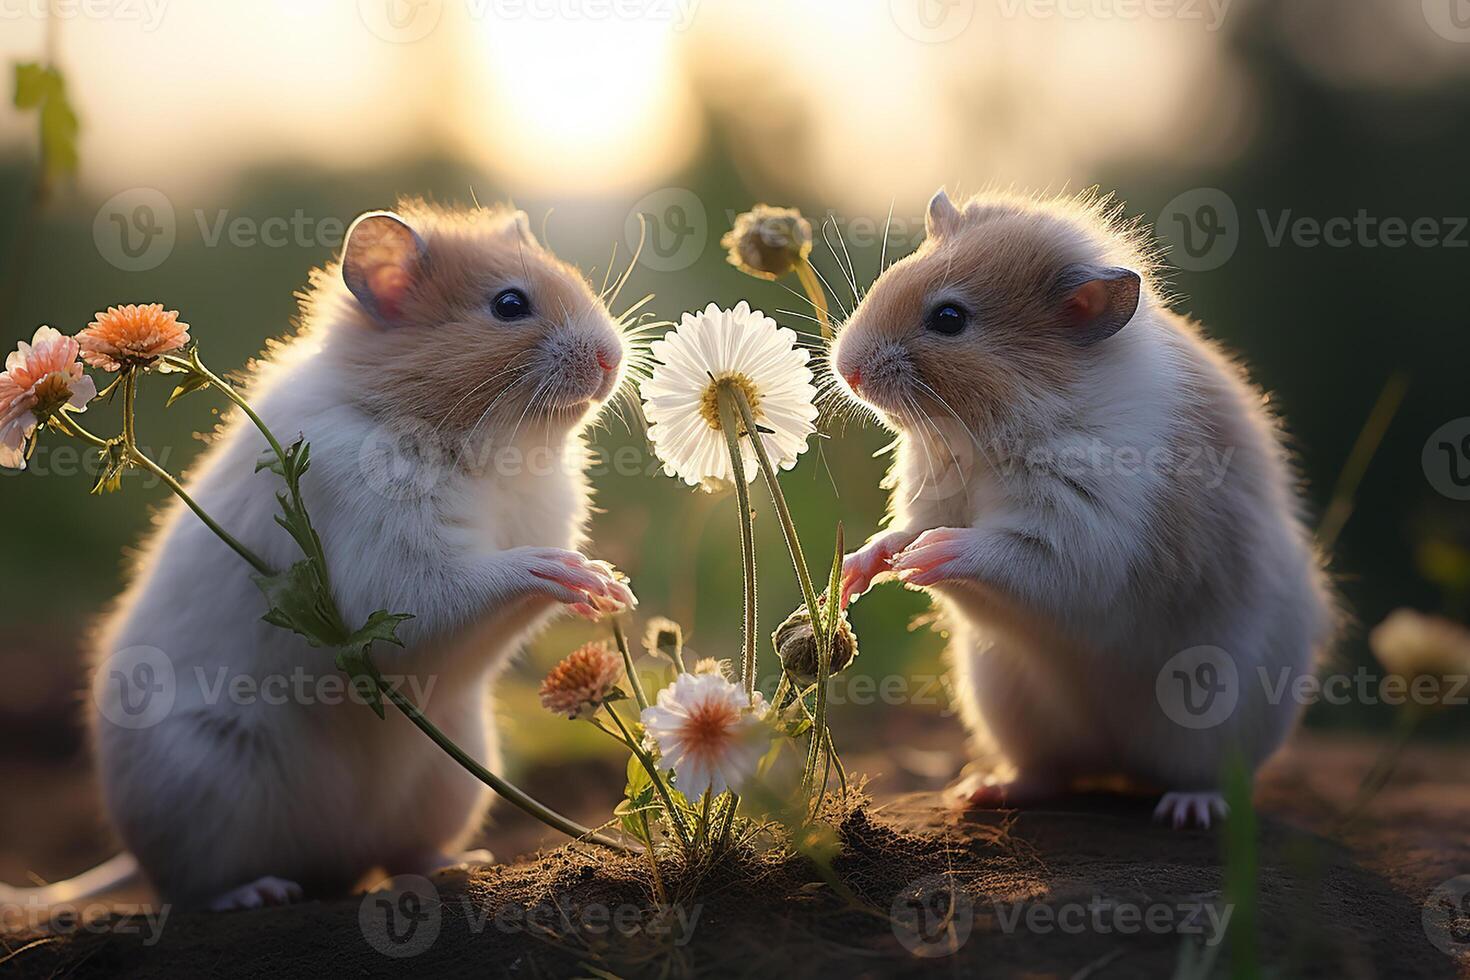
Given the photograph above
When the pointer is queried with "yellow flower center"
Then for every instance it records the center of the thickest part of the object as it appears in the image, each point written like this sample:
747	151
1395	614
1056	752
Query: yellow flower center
52	392
709	404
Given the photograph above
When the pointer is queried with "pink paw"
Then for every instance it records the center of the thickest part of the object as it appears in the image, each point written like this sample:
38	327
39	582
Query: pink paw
258	894
872	560
988	793
591	588
1182	809
936	556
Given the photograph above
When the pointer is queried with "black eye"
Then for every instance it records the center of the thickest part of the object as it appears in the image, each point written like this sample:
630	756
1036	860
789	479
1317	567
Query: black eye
947	319
511	304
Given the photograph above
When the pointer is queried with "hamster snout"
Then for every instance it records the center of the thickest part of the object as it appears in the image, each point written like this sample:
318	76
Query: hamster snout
585	359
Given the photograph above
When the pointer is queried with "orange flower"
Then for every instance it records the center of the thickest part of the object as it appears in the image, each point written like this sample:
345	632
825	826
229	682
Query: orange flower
581	682
132	336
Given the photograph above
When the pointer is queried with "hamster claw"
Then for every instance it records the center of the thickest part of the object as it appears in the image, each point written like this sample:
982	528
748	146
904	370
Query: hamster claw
1184	809
258	894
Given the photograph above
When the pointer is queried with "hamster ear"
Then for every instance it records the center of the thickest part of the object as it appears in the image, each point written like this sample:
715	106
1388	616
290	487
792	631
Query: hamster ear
380	263
1098	301
521	222
942	216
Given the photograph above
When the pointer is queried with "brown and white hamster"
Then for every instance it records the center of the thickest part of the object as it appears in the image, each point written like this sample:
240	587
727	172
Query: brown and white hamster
469	353
1097	496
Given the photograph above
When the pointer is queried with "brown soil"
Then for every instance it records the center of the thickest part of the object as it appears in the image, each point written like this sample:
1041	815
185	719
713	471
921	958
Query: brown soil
1090	889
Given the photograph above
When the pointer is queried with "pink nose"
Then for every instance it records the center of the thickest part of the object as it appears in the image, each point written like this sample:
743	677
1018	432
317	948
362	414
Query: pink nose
854	378
606	361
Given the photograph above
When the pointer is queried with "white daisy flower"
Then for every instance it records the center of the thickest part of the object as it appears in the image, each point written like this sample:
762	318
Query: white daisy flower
740	347
707	732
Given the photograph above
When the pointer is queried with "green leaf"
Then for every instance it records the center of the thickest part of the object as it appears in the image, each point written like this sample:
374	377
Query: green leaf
113	461
834	584
188	386
297	604
43	88
381	627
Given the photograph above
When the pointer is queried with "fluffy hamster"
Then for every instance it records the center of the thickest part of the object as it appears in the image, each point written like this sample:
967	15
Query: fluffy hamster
1090	487
444	338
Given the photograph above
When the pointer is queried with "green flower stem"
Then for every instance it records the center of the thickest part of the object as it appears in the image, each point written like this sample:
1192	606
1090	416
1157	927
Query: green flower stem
704	818
798	561
726	397
1382	770
731	802
815	293
75	429
633	680
228	390
675	816
72	427
506	789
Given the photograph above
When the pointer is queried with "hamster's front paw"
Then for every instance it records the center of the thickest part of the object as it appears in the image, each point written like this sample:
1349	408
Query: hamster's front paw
938	555
590	588
860	568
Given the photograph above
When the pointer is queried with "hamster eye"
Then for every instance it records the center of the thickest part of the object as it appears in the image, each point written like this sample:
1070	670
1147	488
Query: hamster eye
947	319
511	304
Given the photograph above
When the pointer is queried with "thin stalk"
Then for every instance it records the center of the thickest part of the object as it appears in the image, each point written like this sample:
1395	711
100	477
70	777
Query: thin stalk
731	802
813	288
228	390
675	816
1344	494
798	561
506	789
633	680
658	879
255	560
747	534
704	818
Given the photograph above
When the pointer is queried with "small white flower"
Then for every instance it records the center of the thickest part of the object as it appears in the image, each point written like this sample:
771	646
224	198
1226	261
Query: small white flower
743	348
708	733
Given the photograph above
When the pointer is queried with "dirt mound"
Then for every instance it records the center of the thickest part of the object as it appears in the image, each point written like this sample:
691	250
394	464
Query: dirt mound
1090	889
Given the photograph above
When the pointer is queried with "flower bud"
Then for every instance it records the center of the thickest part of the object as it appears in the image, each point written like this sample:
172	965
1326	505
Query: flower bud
768	242
796	644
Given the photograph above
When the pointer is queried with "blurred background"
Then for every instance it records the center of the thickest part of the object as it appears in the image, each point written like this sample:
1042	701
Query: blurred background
1303	160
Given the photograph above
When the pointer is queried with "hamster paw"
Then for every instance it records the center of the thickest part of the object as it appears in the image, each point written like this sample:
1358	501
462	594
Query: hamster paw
935	556
259	893
590	588
983	793
1182	809
860	568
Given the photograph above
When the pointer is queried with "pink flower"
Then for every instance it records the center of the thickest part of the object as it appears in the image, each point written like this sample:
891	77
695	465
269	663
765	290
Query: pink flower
39	378
582	681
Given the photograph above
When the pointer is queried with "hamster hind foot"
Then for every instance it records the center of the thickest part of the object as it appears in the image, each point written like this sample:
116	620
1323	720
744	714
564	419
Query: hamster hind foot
1184	809
258	894
984	792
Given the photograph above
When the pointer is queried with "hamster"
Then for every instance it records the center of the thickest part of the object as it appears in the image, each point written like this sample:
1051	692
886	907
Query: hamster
475	356
1099	500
